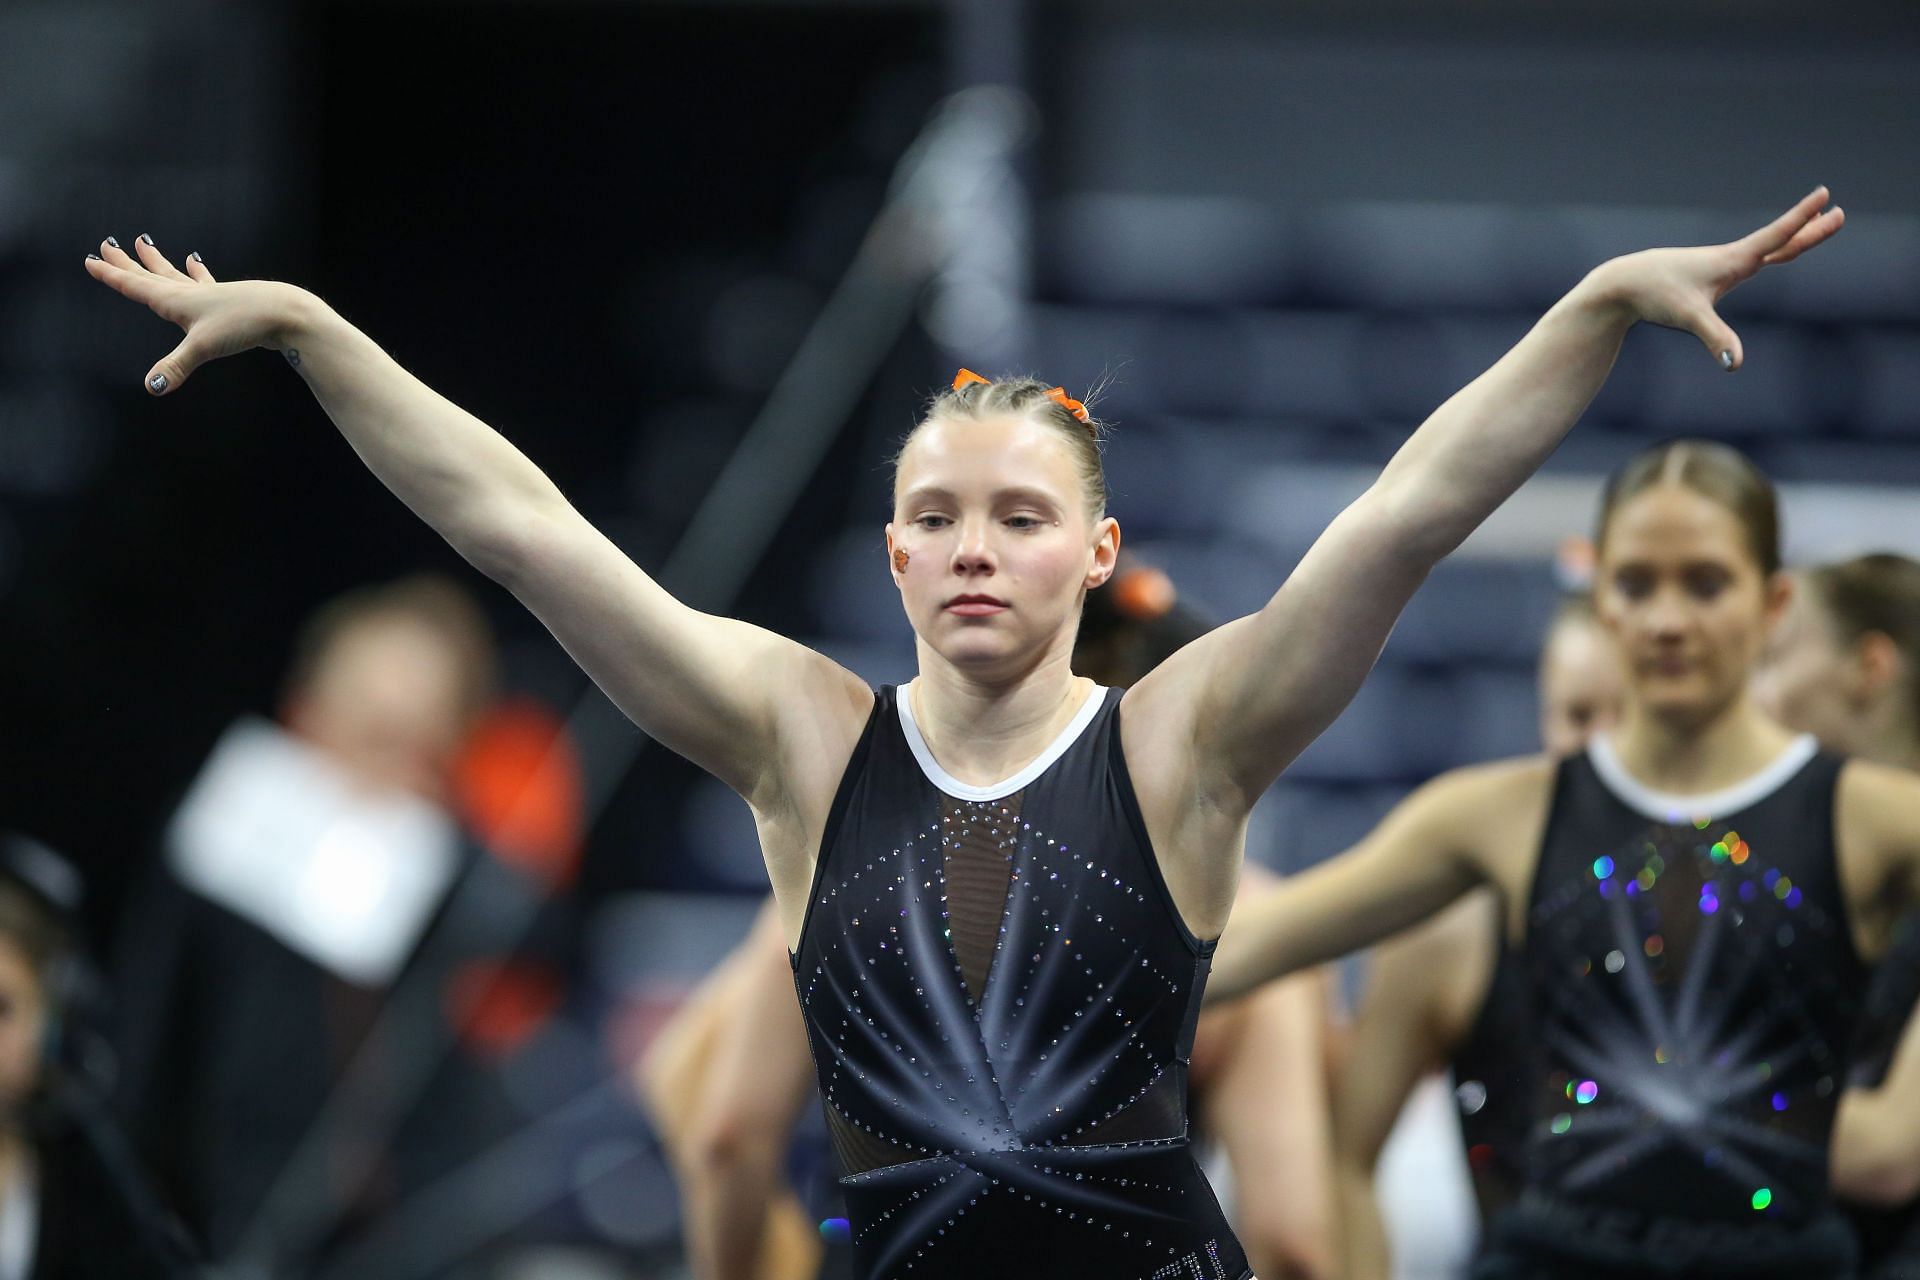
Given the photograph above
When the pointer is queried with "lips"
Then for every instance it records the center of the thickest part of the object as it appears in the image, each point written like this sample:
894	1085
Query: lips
975	606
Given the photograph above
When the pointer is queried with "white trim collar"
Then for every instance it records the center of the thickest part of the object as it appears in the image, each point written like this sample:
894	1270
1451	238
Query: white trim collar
959	790
1666	806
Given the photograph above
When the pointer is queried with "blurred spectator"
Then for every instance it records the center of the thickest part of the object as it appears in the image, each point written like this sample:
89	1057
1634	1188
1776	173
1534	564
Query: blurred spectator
72	1203
314	878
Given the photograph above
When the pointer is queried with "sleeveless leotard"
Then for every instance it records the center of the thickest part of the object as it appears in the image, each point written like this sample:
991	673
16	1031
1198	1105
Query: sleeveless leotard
1000	998
1694	987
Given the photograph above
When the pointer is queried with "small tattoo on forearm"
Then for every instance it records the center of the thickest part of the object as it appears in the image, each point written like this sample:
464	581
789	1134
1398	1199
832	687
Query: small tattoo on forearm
293	357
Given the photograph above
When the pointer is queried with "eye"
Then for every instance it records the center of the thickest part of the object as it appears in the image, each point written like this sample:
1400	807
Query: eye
932	521
1634	584
1706	583
1023	522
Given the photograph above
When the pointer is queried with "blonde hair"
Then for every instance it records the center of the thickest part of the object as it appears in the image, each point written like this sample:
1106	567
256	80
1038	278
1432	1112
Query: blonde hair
1032	399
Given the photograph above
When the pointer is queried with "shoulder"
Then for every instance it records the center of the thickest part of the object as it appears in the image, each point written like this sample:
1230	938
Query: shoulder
1877	804
1870	787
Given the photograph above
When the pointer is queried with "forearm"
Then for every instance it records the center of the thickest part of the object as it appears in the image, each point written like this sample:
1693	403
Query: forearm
1364	1252
1338	907
1482	444
453	470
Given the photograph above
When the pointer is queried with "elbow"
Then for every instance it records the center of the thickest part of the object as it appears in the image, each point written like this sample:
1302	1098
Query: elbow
732	1142
508	546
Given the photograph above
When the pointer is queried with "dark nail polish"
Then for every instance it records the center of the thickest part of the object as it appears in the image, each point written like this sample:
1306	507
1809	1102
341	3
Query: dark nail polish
195	257
1726	361
113	242
158	383
146	240
94	257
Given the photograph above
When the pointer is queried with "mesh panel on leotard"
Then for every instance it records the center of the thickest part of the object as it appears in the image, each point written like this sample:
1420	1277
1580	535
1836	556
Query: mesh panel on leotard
999	997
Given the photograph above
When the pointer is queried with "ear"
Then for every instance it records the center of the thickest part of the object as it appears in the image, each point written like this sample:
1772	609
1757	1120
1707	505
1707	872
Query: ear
1880	663
891	545
1779	595
1106	552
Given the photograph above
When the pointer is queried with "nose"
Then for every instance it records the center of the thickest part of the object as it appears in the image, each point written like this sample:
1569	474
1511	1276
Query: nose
1667	614
973	550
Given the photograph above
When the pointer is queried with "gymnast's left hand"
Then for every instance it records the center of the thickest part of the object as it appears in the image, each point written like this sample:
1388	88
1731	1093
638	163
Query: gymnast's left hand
219	319
1679	288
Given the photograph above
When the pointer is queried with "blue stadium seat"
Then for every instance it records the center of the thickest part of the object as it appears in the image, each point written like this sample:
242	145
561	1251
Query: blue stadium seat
1478	611
1887	398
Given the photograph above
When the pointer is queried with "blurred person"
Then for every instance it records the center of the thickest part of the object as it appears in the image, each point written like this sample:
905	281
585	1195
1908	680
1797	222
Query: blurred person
1695	899
305	883
1001	919
1844	665
727	1079
1449	995
73	1203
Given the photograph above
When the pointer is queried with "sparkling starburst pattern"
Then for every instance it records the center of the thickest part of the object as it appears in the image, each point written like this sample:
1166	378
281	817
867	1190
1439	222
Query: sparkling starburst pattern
1692	1027
1001	1011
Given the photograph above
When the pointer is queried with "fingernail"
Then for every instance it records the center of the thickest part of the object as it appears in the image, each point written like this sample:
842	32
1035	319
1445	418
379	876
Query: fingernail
94	257
195	257
157	383
113	242
1726	361
146	240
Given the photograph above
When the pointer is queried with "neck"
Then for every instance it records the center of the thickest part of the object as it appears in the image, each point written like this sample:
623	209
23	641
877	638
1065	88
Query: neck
1695	756
983	729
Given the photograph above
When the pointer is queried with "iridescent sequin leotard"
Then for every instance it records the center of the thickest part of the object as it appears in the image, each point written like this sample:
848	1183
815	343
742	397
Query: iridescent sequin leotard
1000	998
1695	989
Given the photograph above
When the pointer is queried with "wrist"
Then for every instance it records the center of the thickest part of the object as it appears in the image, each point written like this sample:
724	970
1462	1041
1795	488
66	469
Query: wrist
1607	293
303	317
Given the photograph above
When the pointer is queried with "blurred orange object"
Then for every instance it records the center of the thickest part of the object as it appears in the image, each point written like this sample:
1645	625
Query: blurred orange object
518	785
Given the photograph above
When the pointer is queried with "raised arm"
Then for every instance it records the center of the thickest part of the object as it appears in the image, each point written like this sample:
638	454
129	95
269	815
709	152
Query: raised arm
1242	701
735	699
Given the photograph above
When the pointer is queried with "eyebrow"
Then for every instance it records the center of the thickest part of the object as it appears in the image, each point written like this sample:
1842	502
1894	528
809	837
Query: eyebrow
1013	493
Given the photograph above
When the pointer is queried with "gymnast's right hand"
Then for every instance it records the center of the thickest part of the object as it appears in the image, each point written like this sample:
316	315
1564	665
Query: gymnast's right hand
219	319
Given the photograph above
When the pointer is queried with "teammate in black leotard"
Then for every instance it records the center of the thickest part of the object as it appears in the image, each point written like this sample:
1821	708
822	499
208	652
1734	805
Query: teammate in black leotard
1450	993
1013	1098
1692	899
1845	666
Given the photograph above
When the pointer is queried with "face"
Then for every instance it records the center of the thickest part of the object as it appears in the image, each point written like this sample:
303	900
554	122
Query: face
1809	679
999	546
1580	686
23	1024
385	703
1686	604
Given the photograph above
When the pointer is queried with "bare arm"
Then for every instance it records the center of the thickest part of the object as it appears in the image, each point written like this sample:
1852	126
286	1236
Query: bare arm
1436	845
1409	1024
1241	702
713	689
1876	1136
1260	1089
726	1082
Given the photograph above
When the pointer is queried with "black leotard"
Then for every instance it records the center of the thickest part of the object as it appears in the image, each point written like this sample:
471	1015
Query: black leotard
1000	998
1889	1238
1695	987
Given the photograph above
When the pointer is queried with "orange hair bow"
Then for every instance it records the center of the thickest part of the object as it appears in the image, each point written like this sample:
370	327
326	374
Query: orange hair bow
1060	397
967	377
